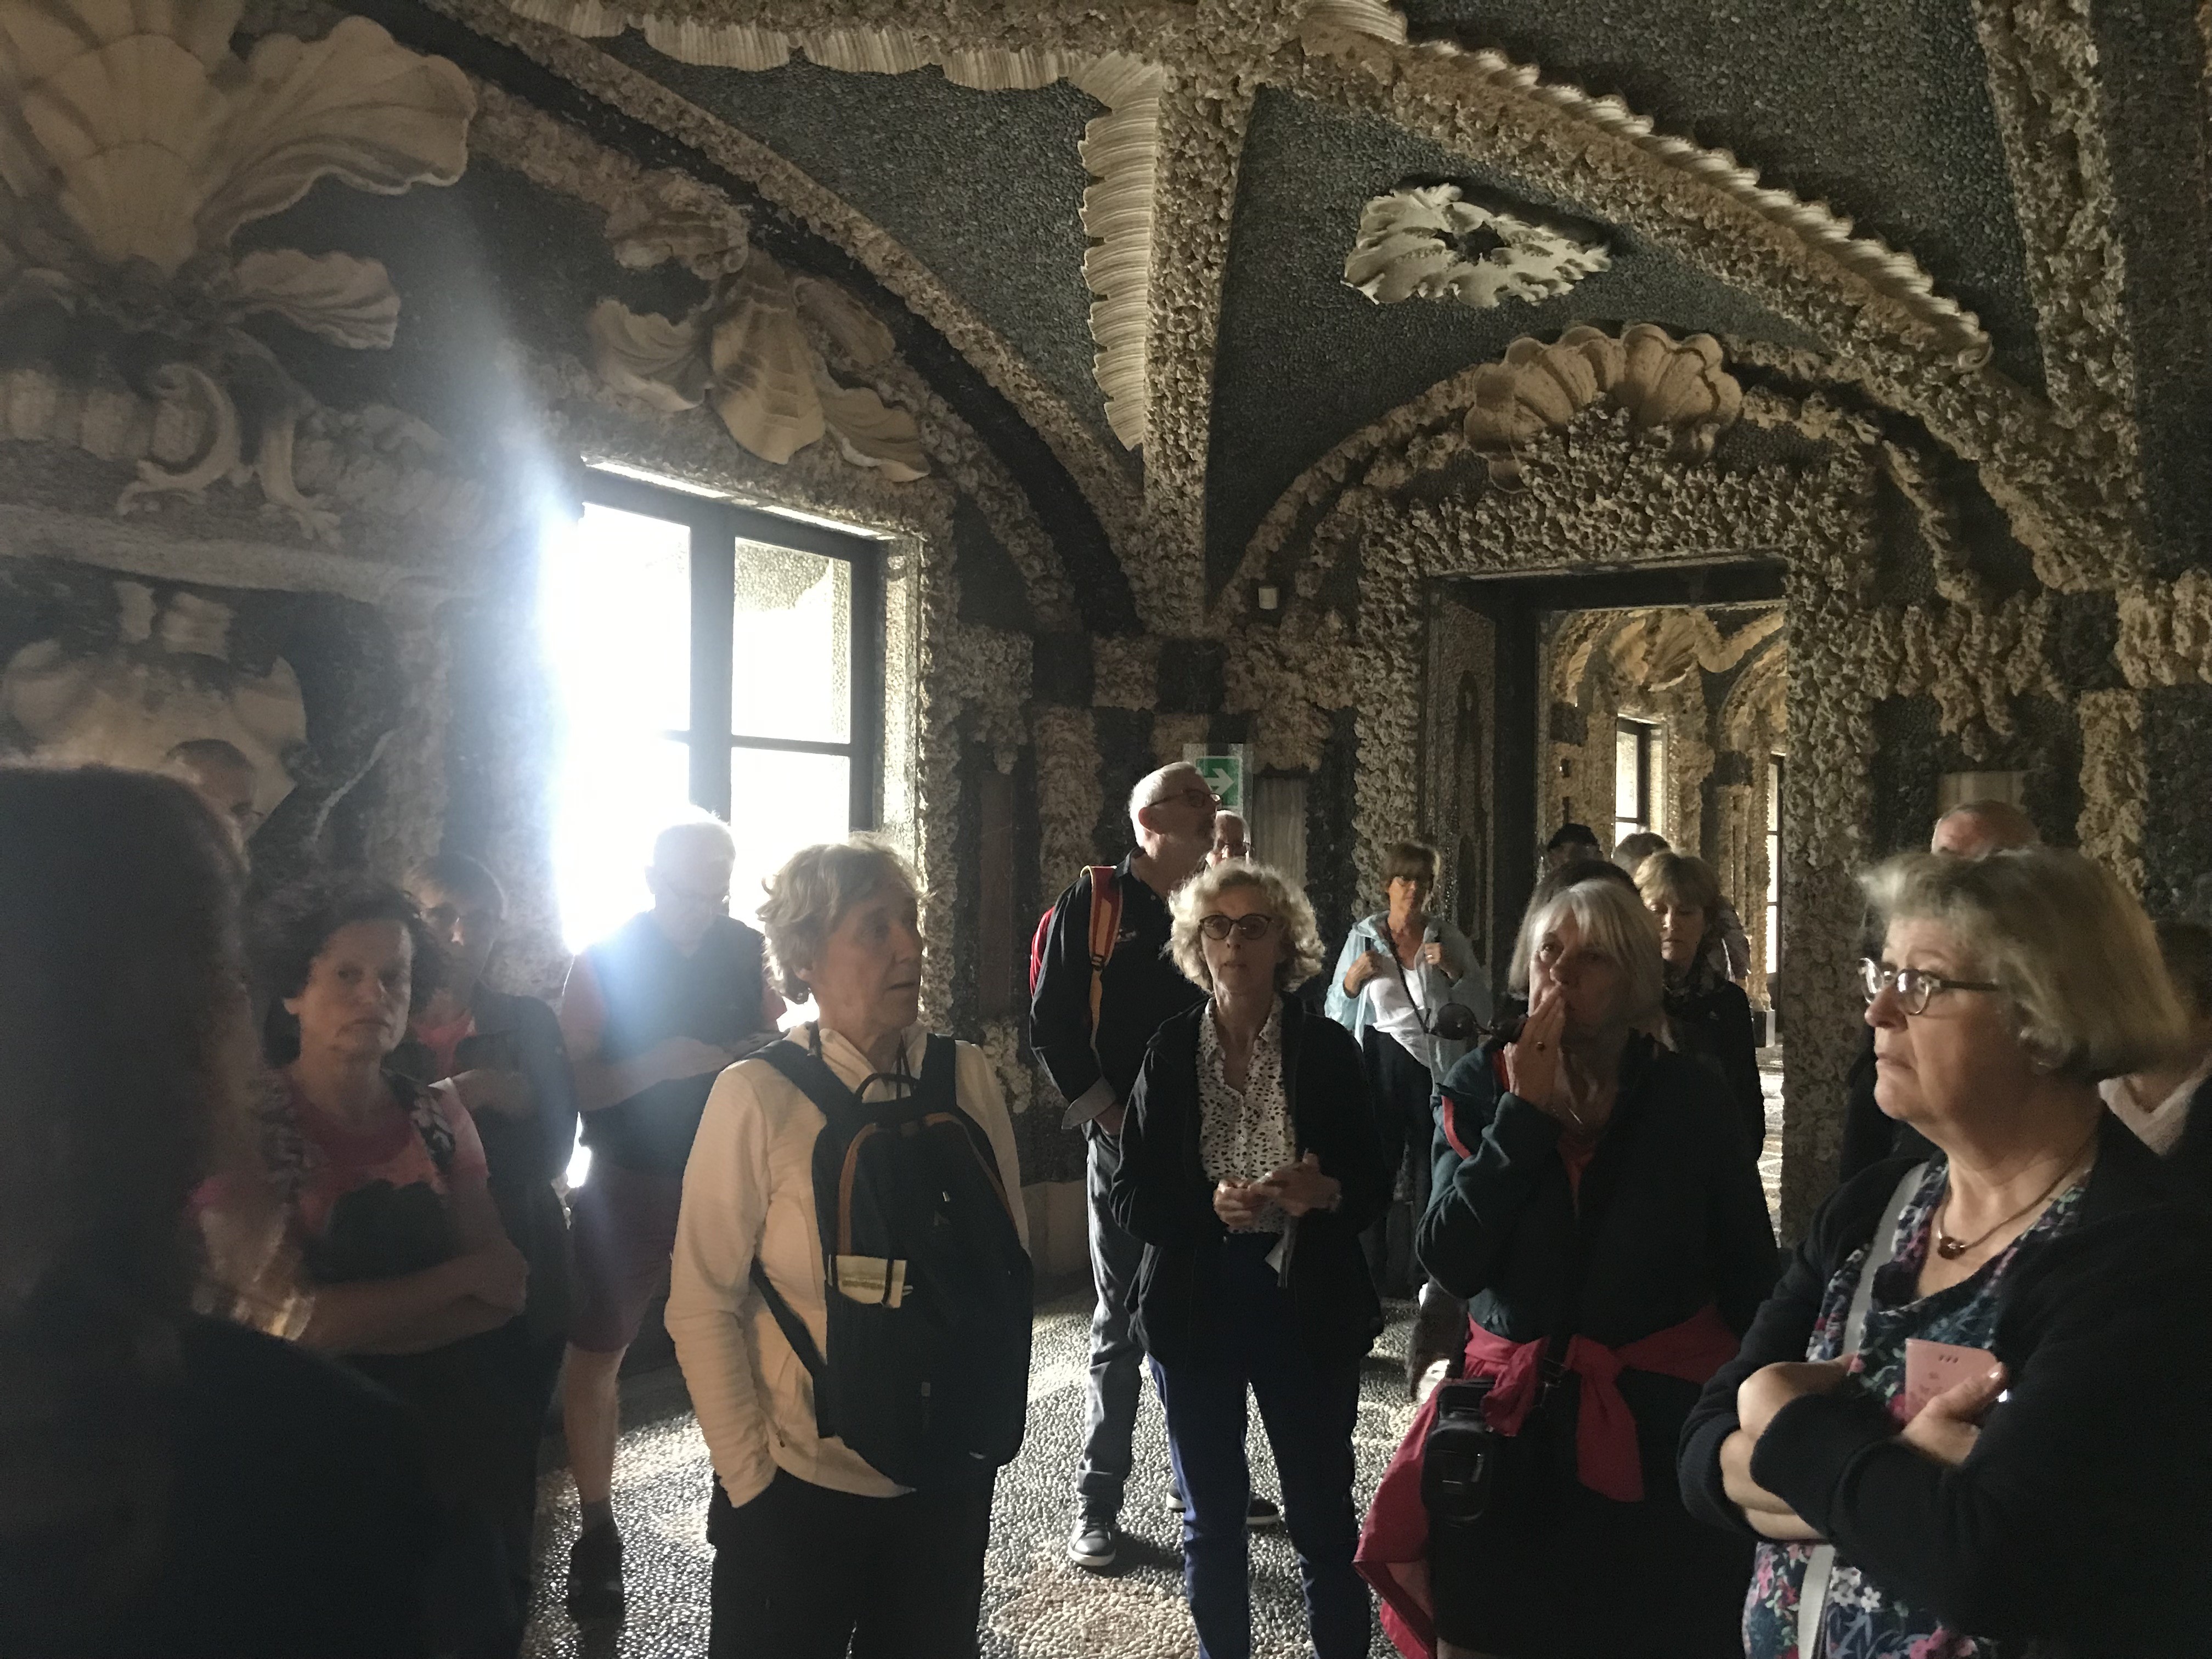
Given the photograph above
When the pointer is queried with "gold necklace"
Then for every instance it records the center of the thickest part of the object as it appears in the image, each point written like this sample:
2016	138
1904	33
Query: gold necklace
1952	1249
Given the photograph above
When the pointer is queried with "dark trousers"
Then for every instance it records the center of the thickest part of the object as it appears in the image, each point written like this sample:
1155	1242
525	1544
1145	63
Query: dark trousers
1402	1094
482	1442
1308	1407
802	1570
1117	1371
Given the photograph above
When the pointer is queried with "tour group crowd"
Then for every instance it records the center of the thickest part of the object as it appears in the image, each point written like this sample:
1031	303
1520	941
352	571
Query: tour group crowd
292	1280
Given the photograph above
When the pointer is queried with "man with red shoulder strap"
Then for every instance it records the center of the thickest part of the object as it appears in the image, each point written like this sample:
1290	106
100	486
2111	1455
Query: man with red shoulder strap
1136	988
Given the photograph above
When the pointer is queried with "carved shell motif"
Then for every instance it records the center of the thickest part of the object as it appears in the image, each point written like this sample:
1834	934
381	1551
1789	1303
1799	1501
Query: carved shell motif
749	352
1422	239
1676	387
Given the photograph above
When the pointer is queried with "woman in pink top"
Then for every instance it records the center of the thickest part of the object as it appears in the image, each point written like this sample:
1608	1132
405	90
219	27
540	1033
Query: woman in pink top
414	1283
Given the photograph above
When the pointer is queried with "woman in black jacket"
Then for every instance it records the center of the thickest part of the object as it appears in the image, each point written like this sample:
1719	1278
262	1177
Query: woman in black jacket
1709	1012
1594	1201
2040	1483
1250	1164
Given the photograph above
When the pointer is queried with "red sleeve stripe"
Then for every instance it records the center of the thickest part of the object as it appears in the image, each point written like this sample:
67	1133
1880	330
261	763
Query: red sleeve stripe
1451	1127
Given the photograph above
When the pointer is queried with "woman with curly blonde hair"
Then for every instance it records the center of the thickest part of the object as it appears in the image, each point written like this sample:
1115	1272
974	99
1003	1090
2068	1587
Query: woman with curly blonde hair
1250	1163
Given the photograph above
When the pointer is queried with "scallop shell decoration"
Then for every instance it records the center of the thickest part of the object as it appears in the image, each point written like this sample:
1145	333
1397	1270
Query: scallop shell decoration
135	144
1426	240
757	351
1675	388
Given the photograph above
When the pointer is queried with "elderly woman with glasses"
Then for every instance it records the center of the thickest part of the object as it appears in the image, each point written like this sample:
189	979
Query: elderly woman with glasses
1972	1419
1593	1204
1250	1163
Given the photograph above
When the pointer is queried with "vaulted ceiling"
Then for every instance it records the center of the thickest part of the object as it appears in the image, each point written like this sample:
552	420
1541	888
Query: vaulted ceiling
1980	202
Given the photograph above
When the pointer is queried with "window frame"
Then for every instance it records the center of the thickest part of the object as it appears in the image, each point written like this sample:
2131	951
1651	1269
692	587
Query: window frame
716	527
1776	765
1647	737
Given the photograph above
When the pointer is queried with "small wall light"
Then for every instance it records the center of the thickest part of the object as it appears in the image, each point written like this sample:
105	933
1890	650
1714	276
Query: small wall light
1269	596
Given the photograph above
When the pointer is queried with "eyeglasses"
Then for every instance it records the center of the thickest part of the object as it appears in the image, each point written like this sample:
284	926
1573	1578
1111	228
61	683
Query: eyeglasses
1914	986
1217	926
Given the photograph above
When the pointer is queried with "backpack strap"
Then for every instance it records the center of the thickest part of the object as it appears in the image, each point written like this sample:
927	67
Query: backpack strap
1105	930
811	1076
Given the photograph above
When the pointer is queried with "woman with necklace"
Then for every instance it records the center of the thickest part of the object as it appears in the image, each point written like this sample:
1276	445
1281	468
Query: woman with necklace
383	1183
2036	1482
1593	1205
1248	1165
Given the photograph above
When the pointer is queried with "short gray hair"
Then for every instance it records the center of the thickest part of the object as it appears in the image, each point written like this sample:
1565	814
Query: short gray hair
1149	792
813	892
2075	952
1195	899
1615	924
708	832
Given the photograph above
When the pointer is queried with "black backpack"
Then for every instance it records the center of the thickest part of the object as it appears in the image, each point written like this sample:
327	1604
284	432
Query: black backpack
928	1287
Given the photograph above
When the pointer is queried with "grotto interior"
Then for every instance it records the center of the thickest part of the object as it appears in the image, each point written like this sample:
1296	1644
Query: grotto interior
512	423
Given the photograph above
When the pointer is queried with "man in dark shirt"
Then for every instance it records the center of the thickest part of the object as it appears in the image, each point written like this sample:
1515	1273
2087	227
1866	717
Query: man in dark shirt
504	1056
651	1017
1172	812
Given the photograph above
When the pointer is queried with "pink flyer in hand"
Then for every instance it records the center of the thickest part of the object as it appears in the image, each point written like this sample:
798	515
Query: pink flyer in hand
1932	1367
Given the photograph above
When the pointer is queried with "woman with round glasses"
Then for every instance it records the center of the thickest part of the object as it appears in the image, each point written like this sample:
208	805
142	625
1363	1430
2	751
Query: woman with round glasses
1595	1204
1250	1163
1971	1419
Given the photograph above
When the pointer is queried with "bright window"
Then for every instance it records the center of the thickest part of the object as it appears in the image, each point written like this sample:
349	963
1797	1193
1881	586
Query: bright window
706	658
1639	768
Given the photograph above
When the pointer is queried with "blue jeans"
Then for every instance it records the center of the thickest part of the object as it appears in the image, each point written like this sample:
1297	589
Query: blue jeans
1308	1407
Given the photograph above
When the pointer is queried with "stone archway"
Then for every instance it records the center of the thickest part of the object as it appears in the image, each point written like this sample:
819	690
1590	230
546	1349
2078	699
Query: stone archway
1622	478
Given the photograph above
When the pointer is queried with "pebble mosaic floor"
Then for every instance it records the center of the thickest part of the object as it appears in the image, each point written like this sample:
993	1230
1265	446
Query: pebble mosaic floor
1036	1605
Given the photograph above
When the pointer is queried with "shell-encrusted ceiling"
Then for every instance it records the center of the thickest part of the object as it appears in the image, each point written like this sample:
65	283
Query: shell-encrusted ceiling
1221	372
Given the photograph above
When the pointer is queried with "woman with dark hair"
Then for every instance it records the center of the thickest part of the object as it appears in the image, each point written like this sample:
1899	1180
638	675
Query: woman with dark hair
170	1485
504	1057
1708	1013
383	1188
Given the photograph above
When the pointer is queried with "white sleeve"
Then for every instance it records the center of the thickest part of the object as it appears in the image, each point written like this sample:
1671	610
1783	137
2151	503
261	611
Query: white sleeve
975	1085
718	1232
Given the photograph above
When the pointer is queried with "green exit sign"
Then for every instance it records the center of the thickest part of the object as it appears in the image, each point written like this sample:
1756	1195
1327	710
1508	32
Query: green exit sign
1225	774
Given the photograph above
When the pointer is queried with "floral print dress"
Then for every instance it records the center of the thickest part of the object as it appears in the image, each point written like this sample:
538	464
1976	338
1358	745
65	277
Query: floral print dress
1863	1620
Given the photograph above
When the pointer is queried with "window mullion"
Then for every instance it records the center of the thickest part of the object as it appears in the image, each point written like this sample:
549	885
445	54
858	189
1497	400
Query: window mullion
713	604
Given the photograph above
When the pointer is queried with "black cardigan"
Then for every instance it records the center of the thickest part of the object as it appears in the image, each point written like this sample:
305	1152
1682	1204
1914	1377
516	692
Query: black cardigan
1713	1021
2082	1512
1161	1192
1672	1206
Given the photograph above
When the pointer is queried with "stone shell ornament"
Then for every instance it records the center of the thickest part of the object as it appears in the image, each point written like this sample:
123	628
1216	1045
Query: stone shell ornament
1427	241
139	143
756	350
1675	388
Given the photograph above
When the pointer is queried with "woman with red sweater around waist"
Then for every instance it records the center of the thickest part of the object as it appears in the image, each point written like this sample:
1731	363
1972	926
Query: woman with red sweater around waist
1596	1205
